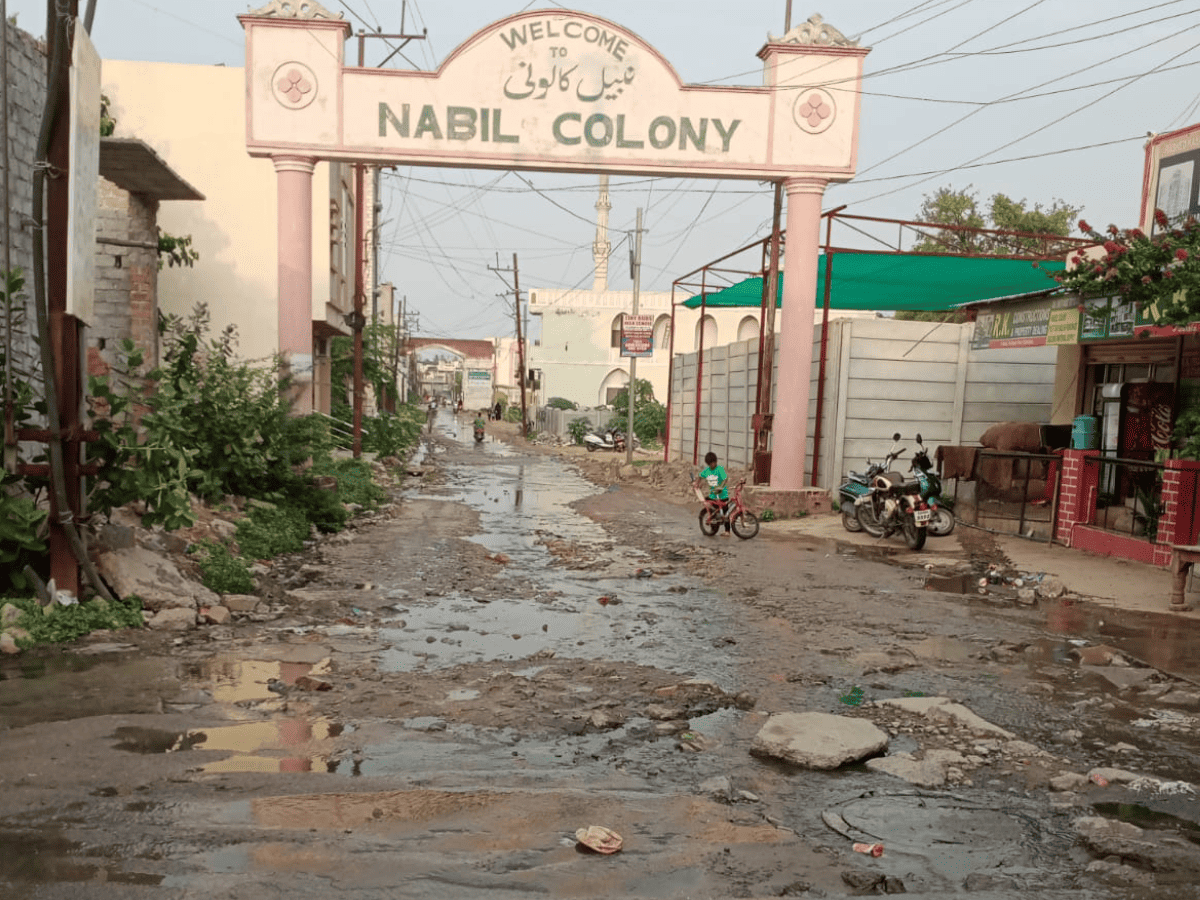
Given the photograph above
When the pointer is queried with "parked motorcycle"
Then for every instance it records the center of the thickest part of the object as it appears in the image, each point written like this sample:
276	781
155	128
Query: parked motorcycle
856	485
893	503
942	520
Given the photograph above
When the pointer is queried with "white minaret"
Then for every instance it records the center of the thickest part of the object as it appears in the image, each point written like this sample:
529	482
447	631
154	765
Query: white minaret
601	247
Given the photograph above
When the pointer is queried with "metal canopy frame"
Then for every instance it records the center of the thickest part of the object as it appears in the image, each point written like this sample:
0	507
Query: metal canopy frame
1023	245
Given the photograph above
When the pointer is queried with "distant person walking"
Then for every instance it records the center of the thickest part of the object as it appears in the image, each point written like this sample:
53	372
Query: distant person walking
431	414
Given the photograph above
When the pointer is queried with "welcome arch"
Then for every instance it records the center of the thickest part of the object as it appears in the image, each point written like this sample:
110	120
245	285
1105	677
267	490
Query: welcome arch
556	90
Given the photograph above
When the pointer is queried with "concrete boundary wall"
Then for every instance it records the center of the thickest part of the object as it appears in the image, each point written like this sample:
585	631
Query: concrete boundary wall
881	376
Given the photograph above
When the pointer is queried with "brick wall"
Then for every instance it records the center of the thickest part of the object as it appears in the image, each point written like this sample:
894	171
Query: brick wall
126	273
1178	519
26	87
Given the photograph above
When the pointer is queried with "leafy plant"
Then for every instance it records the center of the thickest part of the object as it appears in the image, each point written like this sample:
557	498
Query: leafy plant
382	344
392	434
767	515
649	416
55	624
561	403
271	529
221	571
577	428
22	529
176	250
1160	273
142	446
108	124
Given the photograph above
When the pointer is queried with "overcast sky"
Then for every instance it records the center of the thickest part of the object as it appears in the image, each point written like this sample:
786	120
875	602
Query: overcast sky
1026	99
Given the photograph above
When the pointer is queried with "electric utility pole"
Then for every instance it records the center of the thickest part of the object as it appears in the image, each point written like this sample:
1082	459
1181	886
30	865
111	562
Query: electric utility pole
516	289
635	272
357	319
762	421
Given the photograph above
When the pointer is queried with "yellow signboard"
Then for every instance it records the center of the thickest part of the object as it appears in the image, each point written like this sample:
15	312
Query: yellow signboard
1063	327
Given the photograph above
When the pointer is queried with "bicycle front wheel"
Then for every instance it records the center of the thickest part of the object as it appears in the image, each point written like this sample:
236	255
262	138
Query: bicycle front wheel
745	525
709	523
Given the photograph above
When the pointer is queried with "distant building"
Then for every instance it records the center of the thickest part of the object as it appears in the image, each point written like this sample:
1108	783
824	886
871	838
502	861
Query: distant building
579	354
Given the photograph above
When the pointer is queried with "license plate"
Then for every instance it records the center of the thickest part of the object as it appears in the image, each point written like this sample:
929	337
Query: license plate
922	516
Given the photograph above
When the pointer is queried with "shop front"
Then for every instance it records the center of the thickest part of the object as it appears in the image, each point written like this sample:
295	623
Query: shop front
1121	384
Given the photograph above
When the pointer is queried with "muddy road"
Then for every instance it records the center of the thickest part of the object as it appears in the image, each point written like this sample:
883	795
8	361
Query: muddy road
431	704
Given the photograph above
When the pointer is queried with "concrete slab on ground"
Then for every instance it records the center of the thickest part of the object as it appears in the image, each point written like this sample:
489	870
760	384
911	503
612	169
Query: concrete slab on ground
1119	583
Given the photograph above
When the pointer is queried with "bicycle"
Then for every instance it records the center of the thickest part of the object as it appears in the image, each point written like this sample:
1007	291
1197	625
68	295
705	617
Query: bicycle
716	512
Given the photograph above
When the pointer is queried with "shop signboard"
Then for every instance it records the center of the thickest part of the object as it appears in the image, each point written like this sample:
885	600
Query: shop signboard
1023	324
1068	320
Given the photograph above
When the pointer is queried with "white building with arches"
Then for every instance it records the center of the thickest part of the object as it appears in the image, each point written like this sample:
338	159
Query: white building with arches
579	354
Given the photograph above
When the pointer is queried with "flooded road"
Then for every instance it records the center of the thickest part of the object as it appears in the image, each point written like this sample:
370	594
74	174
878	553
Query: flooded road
516	653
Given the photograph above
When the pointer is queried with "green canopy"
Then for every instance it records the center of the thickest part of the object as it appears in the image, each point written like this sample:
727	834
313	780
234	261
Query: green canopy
888	281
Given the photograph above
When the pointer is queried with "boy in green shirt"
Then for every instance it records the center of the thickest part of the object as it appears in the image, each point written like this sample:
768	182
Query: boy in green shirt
714	476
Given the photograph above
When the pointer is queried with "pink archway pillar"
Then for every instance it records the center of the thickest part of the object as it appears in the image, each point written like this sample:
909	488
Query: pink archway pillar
788	454
294	175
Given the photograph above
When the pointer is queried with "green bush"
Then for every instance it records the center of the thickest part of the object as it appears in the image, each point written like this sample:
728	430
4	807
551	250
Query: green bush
561	403
221	571
22	526
355	484
56	624
393	434
271	529
577	428
649	416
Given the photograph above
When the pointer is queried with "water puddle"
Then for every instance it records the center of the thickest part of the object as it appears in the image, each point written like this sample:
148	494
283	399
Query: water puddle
257	746
47	857
1152	819
938	839
952	584
1168	643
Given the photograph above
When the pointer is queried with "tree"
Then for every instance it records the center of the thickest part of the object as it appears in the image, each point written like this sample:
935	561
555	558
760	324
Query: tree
649	416
950	207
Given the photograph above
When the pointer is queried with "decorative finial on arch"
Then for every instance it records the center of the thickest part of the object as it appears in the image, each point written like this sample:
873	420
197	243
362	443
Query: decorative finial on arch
815	31
296	9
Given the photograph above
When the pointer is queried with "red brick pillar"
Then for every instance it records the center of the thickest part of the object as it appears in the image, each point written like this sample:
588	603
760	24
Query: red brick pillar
1076	494
1178	521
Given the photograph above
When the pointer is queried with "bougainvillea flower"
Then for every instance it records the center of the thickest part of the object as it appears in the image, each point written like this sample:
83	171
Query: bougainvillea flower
1181	254
1084	226
1161	218
1113	230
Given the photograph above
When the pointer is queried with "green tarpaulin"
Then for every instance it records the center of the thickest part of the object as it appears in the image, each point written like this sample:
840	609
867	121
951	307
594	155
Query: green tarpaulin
884	281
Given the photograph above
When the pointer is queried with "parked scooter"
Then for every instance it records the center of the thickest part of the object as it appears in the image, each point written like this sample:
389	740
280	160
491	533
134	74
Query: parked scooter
856	485
893	503
942	520
609	439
